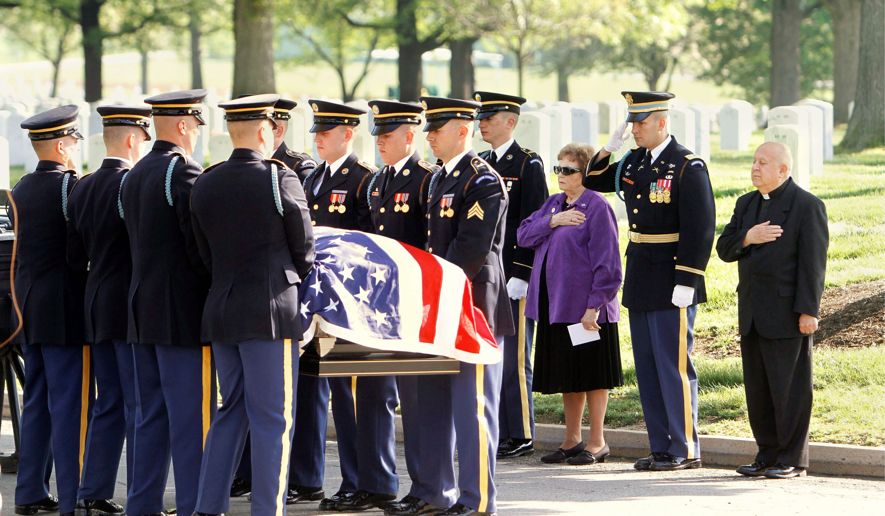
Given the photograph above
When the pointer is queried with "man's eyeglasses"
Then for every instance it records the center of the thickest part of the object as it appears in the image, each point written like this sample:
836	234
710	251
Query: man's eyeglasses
566	171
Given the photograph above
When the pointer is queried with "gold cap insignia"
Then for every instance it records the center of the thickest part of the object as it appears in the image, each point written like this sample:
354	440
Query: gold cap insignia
315	107
375	110
629	99
424	104
477	97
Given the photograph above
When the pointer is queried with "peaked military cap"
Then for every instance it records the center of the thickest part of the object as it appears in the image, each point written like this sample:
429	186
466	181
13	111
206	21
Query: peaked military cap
282	108
388	115
178	103
119	115
253	107
55	123
327	115
640	104
494	102
439	110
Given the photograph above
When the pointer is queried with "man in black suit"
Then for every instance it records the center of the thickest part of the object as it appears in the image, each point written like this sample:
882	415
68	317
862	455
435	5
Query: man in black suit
300	162
176	379
97	236
778	235
49	304
251	314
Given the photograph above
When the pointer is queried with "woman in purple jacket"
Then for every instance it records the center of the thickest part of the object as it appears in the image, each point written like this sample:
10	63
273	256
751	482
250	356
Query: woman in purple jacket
575	279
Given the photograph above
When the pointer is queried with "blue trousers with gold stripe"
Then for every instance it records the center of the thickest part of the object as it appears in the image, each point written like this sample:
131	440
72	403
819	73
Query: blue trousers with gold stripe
55	415
407	392
376	434
668	383
109	420
259	380
516	414
175	401
470	400
434	478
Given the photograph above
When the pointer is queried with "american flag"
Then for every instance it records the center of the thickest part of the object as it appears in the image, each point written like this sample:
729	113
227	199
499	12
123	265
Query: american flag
381	293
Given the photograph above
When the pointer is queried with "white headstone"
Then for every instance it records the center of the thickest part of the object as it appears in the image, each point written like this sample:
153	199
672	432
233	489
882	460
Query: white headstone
611	114
827	110
363	141
533	132
809	120
4	119
794	137
585	123
220	147
300	121
201	149
19	144
560	128
95	150
4	164
682	127
701	132
735	125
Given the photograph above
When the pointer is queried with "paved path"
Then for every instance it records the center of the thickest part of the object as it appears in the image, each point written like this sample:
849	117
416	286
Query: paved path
527	487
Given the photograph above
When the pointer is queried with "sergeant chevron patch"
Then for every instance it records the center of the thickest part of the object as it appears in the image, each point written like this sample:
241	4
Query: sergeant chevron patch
476	211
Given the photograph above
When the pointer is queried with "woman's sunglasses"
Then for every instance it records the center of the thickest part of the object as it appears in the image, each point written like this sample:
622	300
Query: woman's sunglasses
566	171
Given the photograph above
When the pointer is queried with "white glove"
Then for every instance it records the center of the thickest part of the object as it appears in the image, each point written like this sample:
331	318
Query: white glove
517	288
682	296
617	138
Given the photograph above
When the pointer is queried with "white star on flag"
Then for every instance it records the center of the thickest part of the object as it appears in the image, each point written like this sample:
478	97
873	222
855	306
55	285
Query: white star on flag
333	305
305	308
317	287
378	275
363	296
380	317
347	273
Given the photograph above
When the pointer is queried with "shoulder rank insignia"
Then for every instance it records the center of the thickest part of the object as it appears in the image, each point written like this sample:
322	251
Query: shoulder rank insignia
475	211
426	165
366	166
292	154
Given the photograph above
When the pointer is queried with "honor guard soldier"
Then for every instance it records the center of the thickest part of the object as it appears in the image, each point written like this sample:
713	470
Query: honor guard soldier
466	212
97	236
396	199
250	315
300	162
671	216
176	380
49	304
523	174
336	197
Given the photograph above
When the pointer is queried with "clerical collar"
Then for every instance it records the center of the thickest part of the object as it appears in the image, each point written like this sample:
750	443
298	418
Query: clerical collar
452	163
499	152
660	148
777	191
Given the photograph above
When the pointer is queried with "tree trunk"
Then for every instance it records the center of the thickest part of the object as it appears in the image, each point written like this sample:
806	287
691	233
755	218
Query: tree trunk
253	52
144	54
90	28
520	72
461	71
196	51
846	39
562	75
786	23
867	125
410	71
56	68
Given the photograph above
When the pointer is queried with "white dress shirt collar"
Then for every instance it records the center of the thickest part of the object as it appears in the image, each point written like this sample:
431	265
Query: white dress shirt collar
452	163
660	148
499	152
335	165
399	165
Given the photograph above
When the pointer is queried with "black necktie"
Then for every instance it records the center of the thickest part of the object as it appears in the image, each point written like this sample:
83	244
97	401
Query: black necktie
388	172
493	160
320	178
647	160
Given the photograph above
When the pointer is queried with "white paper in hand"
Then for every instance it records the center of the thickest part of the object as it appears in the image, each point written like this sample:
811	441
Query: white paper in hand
579	335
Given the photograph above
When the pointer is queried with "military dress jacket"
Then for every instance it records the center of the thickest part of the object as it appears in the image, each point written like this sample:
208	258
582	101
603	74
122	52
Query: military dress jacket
302	163
97	236
254	235
466	214
169	282
48	290
671	217
341	201
523	174
397	203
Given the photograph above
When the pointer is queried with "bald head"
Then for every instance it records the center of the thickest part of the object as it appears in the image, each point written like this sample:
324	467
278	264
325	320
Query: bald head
124	141
772	164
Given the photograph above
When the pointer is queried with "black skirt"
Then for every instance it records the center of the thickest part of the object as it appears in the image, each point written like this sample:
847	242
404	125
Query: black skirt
561	367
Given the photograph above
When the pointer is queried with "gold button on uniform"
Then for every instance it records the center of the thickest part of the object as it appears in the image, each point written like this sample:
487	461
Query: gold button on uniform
428	232
382	209
316	206
429	249
381	227
639	196
635	210
633	226
313	223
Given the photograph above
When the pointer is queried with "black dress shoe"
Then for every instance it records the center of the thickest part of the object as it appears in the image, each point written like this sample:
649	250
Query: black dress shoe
410	505
516	448
506	444
561	455
586	458
48	504
756	469
240	487
784	471
208	514
672	463
304	494
331	504
363	500
97	508
460	508
644	464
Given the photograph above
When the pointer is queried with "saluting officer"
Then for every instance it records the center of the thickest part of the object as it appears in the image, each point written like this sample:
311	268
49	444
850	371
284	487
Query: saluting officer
336	197
176	379
300	162
671	214
397	194
523	173
49	297
98	236
466	212
251	312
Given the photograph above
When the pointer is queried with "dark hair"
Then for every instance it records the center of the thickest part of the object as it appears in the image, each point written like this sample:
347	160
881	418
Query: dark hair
580	152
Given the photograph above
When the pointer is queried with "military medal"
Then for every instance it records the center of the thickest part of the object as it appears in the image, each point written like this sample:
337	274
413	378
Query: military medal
336	198
445	206
667	183
652	193
342	208
332	208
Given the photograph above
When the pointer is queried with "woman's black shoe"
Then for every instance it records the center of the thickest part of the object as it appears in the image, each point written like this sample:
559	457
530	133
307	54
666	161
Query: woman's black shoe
586	458
561	455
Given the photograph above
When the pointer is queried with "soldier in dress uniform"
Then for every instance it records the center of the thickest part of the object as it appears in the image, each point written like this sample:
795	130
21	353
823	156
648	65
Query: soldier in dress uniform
397	194
671	215
336	197
251	312
523	173
300	162
466	212
49	303
97	236
175	384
